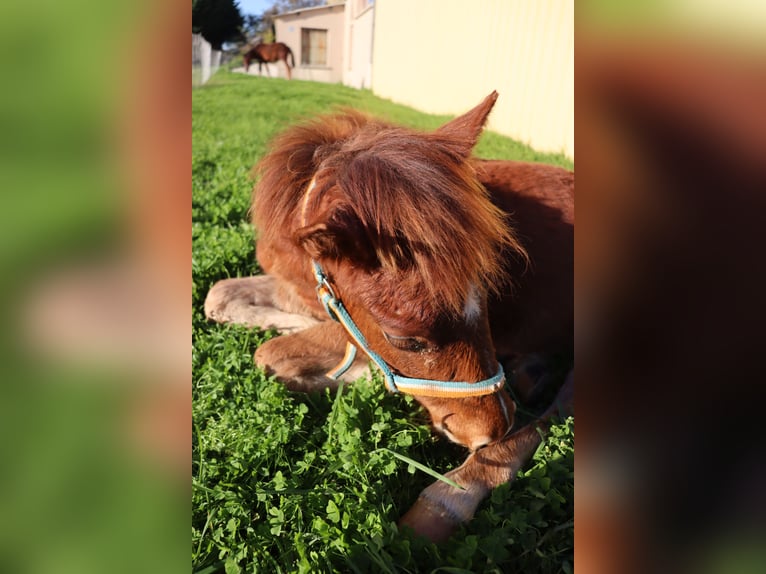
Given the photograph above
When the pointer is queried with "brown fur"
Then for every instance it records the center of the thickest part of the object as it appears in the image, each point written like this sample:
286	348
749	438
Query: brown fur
538	315
401	202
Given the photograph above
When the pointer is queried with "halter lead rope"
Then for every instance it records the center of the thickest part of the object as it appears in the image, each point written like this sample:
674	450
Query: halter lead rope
394	383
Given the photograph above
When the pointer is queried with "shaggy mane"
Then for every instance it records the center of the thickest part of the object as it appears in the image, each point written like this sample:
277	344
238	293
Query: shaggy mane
415	198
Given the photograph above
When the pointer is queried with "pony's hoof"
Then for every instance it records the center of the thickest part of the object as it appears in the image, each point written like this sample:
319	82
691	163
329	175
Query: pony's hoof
429	521
232	300
250	301
441	509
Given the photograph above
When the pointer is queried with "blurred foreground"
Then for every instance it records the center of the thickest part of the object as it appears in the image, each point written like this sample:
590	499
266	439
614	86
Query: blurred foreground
95	375
670	281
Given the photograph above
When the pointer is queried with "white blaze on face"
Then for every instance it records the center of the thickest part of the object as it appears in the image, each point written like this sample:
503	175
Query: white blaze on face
472	308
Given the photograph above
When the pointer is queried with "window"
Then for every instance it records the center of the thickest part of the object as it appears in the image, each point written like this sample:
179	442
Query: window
313	47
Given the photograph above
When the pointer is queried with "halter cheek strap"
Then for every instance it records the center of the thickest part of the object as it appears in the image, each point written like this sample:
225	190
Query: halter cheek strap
394	383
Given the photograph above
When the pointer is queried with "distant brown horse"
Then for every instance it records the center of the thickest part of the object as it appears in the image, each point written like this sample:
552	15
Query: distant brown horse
441	267
266	53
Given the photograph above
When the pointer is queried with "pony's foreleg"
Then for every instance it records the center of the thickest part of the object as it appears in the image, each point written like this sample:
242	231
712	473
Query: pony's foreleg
260	301
441	508
301	360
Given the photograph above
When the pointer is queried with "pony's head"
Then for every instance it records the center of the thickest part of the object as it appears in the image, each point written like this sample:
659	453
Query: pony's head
411	244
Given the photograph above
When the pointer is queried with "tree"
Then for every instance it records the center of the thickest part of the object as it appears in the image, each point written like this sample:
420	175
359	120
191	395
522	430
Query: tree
217	20
253	25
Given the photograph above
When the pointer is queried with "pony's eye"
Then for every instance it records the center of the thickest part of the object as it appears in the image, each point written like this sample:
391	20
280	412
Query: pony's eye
411	344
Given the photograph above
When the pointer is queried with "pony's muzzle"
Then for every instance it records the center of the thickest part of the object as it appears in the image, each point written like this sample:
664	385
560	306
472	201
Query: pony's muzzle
473	422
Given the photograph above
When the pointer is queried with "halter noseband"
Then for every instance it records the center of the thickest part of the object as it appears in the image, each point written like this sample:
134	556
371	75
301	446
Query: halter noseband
394	383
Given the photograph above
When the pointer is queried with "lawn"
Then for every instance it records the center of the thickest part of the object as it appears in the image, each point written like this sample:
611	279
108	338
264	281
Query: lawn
284	482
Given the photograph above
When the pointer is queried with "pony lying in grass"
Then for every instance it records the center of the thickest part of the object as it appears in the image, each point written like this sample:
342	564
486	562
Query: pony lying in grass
451	274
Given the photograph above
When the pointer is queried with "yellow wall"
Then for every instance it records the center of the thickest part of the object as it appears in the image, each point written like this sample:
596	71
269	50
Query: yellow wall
444	56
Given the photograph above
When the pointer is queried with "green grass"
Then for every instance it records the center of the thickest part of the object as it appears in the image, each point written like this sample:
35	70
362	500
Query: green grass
310	483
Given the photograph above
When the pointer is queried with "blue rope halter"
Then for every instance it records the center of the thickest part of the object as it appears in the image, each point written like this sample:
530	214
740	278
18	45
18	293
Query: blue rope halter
394	383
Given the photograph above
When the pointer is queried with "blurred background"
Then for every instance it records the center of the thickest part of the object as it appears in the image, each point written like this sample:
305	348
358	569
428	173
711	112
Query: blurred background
95	141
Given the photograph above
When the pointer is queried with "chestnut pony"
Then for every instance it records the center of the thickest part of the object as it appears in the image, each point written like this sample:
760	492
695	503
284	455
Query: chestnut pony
441	267
266	53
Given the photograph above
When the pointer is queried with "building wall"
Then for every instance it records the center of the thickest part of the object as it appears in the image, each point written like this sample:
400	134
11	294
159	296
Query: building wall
330	18
357	49
444	56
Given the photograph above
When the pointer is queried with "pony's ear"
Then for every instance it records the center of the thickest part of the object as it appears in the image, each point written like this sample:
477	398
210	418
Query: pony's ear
333	233
319	240
464	131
